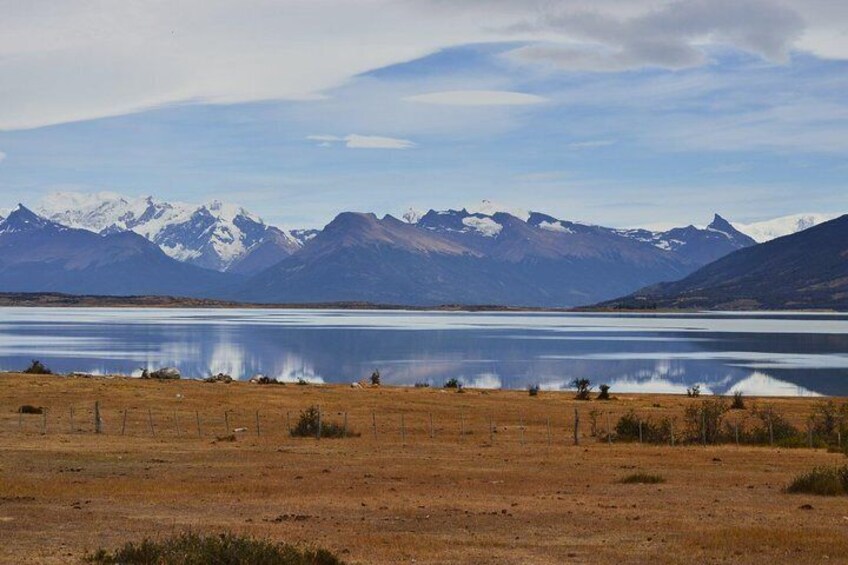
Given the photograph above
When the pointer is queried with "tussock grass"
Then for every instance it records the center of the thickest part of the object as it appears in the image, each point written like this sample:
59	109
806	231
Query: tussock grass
642	479
223	549
821	481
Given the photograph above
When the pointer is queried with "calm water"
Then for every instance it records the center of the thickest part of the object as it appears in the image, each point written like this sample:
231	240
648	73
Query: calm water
786	354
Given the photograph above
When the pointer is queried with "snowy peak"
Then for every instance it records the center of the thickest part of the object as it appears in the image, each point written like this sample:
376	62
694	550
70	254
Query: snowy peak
214	235
786	225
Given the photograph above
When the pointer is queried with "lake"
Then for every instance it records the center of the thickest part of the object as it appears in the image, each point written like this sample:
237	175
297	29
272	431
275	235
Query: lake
757	353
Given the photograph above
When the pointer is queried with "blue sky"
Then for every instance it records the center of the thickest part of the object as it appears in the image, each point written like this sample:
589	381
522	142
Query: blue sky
567	110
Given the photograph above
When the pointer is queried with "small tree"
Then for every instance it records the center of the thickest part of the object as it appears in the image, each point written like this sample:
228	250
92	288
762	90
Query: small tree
37	368
452	382
375	378
584	388
694	391
738	403
604	393
533	390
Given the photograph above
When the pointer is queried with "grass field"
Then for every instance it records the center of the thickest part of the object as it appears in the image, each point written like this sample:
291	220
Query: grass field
487	482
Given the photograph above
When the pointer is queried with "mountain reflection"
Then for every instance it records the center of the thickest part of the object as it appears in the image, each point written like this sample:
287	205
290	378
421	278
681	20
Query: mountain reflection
757	354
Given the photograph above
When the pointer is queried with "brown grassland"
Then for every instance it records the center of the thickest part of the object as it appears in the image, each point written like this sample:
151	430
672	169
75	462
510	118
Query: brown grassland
402	494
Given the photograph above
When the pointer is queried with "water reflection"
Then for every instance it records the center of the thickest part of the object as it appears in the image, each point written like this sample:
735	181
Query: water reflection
785	354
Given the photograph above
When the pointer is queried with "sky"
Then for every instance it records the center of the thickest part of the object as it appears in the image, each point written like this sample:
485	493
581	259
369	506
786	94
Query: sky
617	112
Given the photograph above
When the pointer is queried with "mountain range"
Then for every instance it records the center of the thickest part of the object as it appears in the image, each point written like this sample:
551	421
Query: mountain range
115	245
805	270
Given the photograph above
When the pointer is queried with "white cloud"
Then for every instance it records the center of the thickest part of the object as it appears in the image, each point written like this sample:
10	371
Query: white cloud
63	62
2	156
356	141
590	144
477	98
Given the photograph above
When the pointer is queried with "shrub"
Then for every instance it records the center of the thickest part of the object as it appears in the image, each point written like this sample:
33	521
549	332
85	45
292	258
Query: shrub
533	390
584	387
828	420
194	549
627	429
643	479
452	383
37	368
375	378
694	391
422	385
593	422
309	422
822	481
302	382
784	433
738	402
704	422
604	393
30	409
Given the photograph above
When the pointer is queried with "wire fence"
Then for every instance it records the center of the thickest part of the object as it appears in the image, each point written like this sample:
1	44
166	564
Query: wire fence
705	423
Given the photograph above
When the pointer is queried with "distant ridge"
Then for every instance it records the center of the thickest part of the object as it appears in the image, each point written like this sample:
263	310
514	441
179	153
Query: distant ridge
805	270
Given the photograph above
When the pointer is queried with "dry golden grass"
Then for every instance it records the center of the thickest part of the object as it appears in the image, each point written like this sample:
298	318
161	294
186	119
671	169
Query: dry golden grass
397	497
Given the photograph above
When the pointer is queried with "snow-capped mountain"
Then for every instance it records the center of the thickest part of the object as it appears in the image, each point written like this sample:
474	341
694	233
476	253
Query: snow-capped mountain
786	225
215	235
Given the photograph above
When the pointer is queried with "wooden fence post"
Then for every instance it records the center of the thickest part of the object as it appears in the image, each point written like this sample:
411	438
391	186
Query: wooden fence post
549	431
703	427
736	432
522	431
640	430
432	432
609	430
491	432
576	427
72	420
771	431
257	423
671	424
197	419
461	427
97	421
319	430
20	420
124	423
345	425
44	422
402	431
288	422
150	421
227	421
374	423
177	424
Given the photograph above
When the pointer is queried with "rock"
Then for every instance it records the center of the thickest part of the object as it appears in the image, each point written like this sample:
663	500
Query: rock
165	373
219	378
263	380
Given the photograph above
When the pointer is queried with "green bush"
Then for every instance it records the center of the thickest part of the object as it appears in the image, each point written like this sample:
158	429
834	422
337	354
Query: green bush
604	392
223	549
37	368
738	402
584	387
642	479
704	422
533	390
822	481
453	383
627	429
784	433
309	422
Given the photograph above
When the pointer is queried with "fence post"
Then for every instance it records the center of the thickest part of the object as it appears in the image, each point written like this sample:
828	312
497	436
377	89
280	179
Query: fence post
549	431
736	432
771	431
150	421
288	421
257	424
227	421
20	420
839	439
671	424
432	432
72	420
810	435
402	430
374	423
44	421
576	427
345	425
522	431
609	430
461	427
640	430
124	423
703	427
97	422
177	424
319	424
491	432
197	419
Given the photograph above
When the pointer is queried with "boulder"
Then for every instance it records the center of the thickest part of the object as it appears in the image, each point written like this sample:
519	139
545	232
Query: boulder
165	373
